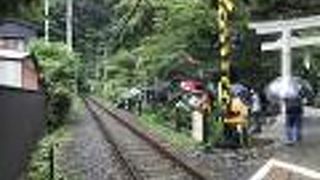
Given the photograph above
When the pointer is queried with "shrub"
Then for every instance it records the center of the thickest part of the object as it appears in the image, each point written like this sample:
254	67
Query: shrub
59	67
58	107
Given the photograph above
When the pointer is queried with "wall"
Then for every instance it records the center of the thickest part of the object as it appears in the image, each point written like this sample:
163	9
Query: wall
30	79
13	44
22	123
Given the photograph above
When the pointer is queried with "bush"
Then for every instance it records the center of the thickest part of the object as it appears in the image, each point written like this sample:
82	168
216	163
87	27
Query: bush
58	107
59	67
215	134
39	167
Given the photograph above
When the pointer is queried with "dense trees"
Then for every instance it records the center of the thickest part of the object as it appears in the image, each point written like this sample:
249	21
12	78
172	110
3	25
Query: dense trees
26	9
125	43
134	42
275	9
157	37
154	39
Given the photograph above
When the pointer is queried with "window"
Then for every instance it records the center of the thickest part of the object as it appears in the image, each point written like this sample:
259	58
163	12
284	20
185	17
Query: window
2	43
14	44
10	73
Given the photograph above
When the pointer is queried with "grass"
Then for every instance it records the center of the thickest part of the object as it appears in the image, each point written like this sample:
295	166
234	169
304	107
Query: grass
156	122
77	109
39	164
180	140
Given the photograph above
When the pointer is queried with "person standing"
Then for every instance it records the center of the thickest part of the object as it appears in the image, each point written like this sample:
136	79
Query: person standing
255	110
236	122
293	123
140	101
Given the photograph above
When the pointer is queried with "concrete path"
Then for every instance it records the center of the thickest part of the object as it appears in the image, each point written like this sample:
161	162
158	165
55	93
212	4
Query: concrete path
304	156
307	153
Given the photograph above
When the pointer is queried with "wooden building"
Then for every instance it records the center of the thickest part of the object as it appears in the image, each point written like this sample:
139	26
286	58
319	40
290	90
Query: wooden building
18	69
22	103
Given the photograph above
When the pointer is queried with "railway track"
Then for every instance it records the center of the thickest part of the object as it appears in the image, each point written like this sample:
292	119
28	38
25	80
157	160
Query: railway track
140	155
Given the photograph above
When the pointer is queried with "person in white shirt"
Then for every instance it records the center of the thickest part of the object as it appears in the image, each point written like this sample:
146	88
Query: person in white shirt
255	111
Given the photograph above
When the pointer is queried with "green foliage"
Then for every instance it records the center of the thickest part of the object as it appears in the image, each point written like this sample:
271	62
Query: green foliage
129	43
216	126
26	9
275	9
156	124
39	165
59	67
155	40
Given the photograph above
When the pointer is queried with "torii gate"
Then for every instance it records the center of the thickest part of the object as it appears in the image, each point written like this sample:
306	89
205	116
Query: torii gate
287	41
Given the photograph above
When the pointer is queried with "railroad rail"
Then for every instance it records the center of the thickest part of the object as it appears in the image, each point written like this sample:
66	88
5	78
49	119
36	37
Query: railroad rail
141	155
129	168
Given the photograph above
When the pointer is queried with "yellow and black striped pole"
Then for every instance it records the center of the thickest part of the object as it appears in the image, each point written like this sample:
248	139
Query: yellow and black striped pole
225	11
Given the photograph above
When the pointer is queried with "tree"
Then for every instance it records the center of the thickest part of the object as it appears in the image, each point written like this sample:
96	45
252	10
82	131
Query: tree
131	42
26	9
59	67
283	9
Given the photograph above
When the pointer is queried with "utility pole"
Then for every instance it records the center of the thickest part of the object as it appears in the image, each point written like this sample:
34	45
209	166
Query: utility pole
46	21
225	11
69	36
69	30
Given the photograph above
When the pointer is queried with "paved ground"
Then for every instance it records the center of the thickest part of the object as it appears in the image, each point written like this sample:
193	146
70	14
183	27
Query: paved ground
87	156
307	153
243	163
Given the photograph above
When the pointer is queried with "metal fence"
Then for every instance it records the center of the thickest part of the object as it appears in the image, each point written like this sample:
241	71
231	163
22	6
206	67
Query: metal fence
22	123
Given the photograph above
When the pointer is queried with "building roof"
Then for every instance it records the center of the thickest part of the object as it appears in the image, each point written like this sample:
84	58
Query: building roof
15	28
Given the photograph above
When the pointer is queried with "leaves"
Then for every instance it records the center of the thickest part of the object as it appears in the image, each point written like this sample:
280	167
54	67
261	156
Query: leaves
26	9
60	68
127	43
58	64
173	27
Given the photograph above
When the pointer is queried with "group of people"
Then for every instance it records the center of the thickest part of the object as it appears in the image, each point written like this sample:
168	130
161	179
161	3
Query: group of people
247	107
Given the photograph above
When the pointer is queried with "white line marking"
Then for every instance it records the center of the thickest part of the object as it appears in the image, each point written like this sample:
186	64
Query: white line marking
298	169
263	171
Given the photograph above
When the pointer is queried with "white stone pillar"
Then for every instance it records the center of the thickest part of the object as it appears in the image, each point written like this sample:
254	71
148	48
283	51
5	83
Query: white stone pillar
286	54
307	59
198	126
285	68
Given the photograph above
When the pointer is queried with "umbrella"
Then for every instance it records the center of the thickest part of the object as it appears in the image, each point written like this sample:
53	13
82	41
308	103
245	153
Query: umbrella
306	90
239	89
288	89
192	86
131	93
